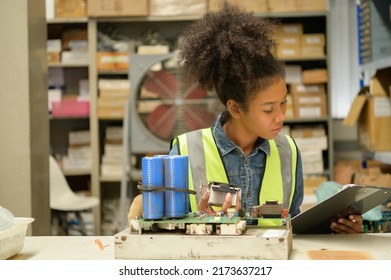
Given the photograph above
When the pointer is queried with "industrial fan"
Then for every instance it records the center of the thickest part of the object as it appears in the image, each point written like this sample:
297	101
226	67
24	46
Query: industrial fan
161	106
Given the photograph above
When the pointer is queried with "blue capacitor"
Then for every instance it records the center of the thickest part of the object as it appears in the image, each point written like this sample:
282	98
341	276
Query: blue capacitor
175	171
153	175
186	175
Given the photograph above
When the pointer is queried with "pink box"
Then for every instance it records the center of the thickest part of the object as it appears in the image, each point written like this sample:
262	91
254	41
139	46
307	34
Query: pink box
71	108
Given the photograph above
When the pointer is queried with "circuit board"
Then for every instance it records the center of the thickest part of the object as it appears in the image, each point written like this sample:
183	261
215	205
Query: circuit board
193	218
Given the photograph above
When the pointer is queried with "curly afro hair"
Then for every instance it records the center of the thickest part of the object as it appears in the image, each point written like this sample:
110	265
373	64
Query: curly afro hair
229	51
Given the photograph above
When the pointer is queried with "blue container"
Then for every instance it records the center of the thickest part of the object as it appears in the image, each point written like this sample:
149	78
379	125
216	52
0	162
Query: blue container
152	175
175	176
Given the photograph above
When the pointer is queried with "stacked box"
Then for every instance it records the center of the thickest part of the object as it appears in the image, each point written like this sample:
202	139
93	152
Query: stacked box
313	45
113	94
309	101
283	5
371	109
112	61
311	141
113	154
117	8
311	5
70	8
177	7
79	156
256	6
54	48
315	76
74	46
288	37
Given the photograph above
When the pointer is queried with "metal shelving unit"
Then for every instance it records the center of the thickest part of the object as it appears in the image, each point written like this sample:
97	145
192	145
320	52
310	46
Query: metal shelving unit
130	23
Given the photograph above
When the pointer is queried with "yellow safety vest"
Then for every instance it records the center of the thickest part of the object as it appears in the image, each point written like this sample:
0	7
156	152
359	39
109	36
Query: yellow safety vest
279	179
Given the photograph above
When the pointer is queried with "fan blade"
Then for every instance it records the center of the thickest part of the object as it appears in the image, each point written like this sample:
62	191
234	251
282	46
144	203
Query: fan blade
162	83
161	121
194	91
197	117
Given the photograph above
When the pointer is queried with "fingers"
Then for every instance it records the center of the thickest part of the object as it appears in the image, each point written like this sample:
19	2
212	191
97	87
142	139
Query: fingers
227	203
351	225
238	201
203	205
356	219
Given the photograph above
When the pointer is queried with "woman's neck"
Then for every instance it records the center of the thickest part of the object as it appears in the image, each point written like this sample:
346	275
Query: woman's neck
239	136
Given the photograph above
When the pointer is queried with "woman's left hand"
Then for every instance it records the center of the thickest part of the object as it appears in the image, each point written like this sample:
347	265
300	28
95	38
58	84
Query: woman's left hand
351	225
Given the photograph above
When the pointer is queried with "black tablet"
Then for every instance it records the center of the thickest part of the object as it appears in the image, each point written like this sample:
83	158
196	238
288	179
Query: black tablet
352	199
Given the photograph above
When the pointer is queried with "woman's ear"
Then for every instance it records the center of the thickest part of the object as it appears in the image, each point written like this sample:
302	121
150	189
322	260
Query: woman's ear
233	108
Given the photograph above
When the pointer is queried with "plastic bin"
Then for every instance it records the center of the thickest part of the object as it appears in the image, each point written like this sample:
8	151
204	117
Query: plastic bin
12	239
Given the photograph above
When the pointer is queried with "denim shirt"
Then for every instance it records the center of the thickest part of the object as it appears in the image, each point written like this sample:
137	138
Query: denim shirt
246	171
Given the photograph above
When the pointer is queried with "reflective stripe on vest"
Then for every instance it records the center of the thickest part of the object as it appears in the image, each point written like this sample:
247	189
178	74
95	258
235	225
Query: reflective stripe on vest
196	144
280	171
279	178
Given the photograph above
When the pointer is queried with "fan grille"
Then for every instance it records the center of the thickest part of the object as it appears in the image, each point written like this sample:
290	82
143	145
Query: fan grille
169	106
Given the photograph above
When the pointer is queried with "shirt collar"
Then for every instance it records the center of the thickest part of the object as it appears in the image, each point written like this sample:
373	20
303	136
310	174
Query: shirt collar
226	145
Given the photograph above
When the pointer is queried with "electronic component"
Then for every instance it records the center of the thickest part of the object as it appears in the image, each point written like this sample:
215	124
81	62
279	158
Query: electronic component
218	191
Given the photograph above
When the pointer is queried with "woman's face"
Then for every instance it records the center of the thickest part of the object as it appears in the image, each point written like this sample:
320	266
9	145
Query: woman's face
266	112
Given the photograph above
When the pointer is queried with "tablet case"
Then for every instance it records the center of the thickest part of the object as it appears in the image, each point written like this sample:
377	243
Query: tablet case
352	199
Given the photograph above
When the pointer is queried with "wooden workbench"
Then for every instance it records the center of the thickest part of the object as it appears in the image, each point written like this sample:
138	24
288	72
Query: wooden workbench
333	246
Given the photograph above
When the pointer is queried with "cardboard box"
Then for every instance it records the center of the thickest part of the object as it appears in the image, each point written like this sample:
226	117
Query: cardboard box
311	5
109	61
314	39
177	7
371	109
114	93
117	8
344	170
313	155
293	74
289	28
289	113
309	100
289	39
308	131
114	84
312	143
310	105
256	6
372	176
312	51
300	88
315	76
373	115
107	102
283	5
315	167
111	113
73	35
54	45
288	51
54	57
70	8
74	57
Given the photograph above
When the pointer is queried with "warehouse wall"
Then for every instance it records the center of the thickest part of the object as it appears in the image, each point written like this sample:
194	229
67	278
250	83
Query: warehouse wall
24	140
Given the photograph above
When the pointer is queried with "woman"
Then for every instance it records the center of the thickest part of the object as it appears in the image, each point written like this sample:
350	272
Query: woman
230	52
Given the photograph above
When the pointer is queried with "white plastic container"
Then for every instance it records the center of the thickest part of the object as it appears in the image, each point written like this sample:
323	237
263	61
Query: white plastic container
12	239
